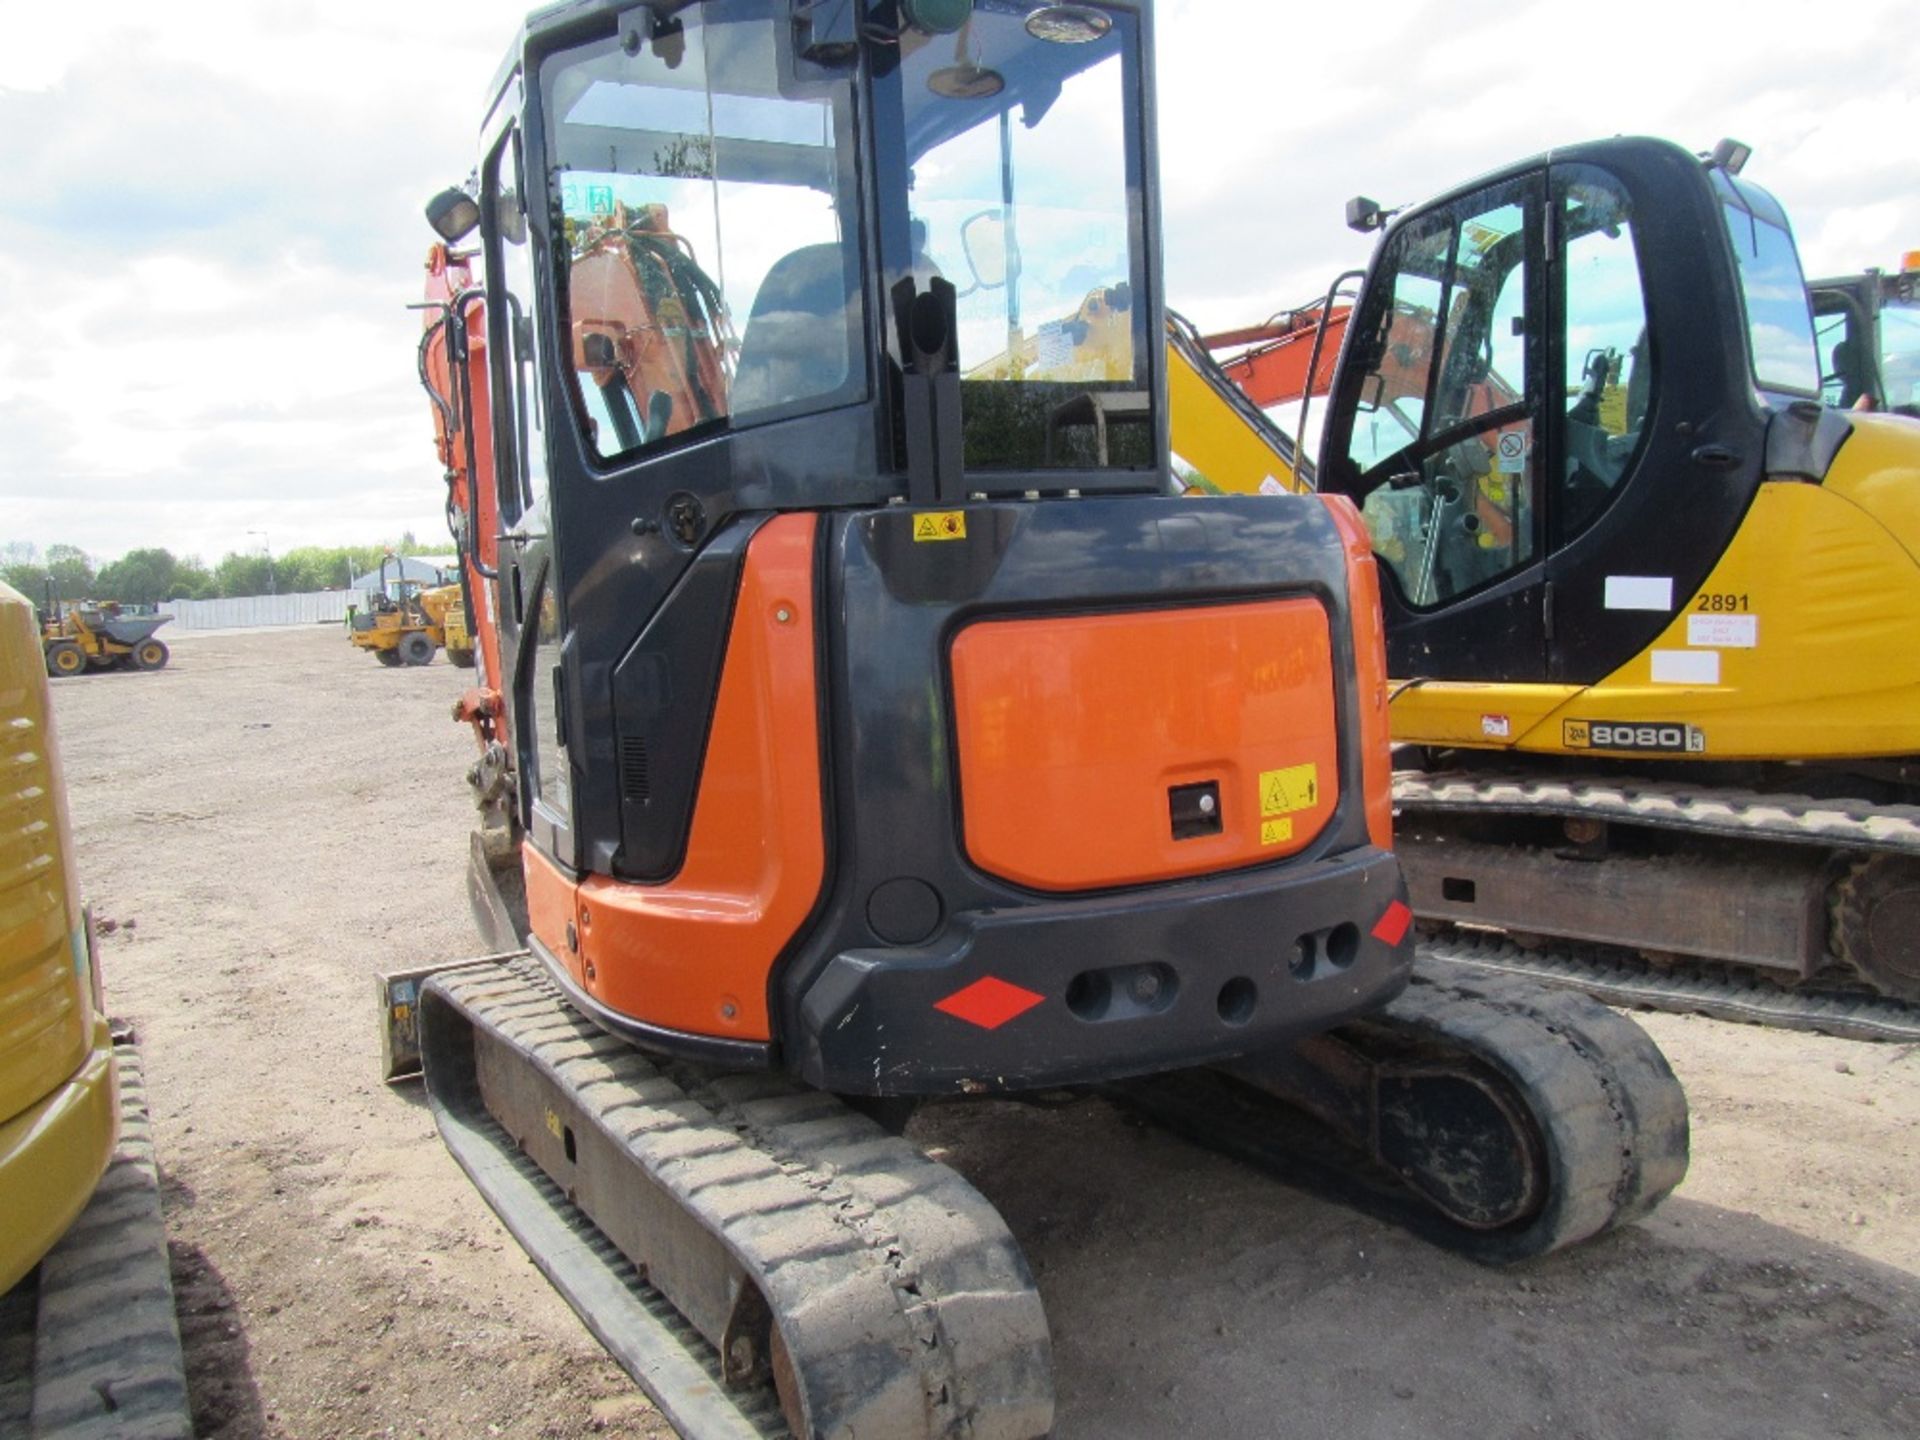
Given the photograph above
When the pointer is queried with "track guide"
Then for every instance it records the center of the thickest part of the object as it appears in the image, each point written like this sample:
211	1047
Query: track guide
1664	805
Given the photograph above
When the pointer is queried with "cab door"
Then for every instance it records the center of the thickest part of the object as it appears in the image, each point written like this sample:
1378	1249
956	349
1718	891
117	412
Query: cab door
1438	434
1657	434
531	623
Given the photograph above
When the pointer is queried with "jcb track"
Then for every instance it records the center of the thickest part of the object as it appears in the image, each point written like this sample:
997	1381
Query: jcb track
1626	981
1773	908
90	1345
776	1242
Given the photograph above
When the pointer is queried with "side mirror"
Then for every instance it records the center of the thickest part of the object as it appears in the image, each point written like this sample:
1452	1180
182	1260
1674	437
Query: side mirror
984	238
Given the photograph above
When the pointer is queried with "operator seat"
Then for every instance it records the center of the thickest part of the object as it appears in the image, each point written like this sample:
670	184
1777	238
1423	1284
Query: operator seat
796	342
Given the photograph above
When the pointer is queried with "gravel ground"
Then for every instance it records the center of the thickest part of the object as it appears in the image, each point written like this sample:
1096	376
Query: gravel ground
273	817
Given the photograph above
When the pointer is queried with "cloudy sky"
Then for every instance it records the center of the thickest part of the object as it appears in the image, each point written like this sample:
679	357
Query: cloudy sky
210	209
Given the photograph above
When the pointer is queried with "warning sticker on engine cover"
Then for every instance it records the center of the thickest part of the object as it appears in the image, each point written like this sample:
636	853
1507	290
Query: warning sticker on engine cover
1276	832
940	525
1284	791
1658	735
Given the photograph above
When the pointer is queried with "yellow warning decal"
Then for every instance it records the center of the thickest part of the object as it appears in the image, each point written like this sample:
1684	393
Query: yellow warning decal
1295	788
1276	832
940	525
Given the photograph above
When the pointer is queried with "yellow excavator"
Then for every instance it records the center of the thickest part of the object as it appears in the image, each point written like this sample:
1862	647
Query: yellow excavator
1648	599
89	1344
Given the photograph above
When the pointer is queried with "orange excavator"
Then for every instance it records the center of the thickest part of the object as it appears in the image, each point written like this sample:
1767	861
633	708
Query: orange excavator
863	722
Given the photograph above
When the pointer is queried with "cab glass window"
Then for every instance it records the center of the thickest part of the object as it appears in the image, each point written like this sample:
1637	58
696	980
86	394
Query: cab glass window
710	225
1022	195
521	472
1442	442
1900	354
1607	374
1779	318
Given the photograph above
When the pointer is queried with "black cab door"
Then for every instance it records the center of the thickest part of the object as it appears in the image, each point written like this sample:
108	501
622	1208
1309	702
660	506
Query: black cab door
1437	434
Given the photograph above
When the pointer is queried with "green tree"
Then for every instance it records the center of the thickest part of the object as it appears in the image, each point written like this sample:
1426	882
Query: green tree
193	581
140	577
71	570
239	574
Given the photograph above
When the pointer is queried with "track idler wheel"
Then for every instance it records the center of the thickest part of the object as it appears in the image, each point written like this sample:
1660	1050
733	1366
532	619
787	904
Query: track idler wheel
1493	1116
1874	917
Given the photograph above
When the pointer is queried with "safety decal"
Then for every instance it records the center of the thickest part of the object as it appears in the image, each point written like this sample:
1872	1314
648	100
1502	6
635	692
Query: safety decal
989	1002
1284	791
1276	832
940	525
1513	453
1733	632
1639	592
1670	737
1686	667
1496	727
1392	926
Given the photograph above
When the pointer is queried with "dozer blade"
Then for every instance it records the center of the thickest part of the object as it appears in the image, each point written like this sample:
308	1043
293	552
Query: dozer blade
1493	1116
759	1256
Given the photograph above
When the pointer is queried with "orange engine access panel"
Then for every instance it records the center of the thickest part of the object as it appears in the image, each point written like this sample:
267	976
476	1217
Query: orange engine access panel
1120	749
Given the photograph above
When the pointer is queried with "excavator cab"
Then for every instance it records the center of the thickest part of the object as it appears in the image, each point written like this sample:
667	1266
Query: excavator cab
1869	335
1550	448
866	692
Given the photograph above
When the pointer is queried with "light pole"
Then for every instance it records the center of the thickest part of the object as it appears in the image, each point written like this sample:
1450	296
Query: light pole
272	587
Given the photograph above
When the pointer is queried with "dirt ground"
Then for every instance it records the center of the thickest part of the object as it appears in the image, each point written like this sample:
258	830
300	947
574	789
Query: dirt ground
274	816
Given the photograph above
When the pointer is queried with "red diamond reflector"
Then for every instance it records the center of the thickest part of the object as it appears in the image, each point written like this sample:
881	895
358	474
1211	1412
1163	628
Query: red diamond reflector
989	1003
1393	925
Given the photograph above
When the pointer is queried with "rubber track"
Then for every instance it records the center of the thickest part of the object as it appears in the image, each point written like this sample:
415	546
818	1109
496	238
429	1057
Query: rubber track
1609	1110
1619	976
1622	979
107	1359
822	1208
1698	809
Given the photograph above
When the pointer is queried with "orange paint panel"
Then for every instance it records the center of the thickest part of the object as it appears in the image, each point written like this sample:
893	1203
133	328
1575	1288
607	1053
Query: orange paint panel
695	954
1370	665
551	900
1073	730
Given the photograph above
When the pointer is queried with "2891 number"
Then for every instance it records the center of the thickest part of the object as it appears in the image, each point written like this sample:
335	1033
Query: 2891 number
1721	603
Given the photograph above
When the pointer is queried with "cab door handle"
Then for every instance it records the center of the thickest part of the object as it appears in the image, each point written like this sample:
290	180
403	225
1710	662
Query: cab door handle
1715	457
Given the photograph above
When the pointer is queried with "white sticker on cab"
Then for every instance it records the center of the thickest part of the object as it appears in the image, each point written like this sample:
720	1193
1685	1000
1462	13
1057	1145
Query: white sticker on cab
1731	632
1639	592
1686	667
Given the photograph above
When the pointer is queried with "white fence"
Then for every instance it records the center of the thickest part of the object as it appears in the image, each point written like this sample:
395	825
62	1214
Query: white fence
242	612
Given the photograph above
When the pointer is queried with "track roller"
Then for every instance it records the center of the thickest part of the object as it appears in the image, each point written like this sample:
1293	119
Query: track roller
1496	1117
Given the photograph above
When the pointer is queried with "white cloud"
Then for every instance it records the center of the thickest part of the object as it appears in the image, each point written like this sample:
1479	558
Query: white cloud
208	244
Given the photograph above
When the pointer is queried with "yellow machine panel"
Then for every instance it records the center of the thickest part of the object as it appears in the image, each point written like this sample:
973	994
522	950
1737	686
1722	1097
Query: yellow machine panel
57	1098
